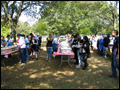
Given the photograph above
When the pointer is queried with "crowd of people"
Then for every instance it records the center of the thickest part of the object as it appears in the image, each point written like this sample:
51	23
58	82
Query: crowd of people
27	45
32	43
103	43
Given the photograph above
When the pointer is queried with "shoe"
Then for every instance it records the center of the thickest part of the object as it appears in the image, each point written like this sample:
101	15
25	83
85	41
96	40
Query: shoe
36	58
46	58
85	67
78	66
32	58
75	63
112	76
20	62
23	64
105	56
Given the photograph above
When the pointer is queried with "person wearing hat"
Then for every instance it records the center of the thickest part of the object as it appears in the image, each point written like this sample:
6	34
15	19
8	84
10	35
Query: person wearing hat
22	46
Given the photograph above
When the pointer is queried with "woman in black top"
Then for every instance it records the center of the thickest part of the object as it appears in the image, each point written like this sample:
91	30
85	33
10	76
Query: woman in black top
86	45
34	46
49	43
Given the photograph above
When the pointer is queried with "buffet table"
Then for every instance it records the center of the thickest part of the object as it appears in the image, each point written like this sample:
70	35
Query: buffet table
70	55
9	50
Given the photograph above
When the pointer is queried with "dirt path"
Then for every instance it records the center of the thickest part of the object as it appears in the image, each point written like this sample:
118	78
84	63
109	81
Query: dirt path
46	75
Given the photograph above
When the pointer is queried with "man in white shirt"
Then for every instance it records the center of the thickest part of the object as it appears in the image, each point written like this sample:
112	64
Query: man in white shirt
22	45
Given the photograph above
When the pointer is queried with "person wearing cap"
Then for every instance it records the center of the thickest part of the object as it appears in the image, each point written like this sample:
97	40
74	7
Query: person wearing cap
22	45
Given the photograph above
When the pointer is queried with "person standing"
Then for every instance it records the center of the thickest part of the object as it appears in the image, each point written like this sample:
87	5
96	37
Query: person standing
115	55
9	43
86	45
34	46
68	37
35	36
3	42
80	42
101	46
106	42
39	41
74	49
98	50
27	46
55	44
72	39
91	42
49	43
22	45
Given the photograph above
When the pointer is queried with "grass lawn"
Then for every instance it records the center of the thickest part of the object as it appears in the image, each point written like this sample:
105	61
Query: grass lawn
46	75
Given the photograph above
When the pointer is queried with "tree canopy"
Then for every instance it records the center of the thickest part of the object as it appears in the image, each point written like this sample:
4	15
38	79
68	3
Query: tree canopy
62	16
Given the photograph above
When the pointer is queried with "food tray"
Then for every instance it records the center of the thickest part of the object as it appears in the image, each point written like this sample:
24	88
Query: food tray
65	50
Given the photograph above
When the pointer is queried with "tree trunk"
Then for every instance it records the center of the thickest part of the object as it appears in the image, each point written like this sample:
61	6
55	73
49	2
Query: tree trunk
114	24
13	32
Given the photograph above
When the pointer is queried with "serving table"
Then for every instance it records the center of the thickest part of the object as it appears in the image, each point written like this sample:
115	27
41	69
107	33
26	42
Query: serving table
69	55
9	50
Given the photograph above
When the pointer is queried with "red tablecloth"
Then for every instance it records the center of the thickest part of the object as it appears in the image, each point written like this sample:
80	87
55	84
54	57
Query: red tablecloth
71	54
8	52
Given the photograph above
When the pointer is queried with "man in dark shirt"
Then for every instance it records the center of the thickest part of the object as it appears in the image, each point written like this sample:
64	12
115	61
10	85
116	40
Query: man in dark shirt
115	54
106	42
75	42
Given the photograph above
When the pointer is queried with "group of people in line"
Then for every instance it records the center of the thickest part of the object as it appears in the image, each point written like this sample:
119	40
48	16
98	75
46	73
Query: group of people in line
27	45
103	46
32	43
82	53
52	45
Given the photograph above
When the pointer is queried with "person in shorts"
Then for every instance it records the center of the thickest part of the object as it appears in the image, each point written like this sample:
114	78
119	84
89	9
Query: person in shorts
106	42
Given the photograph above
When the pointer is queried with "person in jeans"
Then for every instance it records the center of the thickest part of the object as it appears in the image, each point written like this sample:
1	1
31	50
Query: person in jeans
106	42
27	46
115	54
49	43
80	42
74	49
22	45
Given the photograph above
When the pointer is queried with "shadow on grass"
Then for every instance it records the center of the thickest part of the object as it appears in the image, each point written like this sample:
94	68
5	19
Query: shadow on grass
46	75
